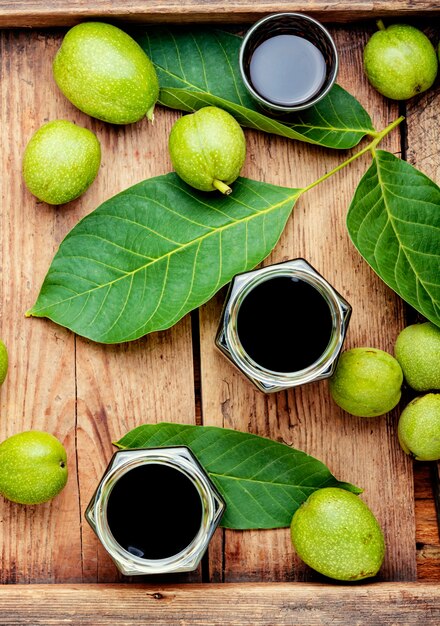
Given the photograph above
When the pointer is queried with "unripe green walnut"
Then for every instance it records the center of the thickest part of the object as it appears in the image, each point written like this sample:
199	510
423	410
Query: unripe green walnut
417	349
208	149
419	428
335	533
61	161
106	74
366	382
3	362
33	467
400	61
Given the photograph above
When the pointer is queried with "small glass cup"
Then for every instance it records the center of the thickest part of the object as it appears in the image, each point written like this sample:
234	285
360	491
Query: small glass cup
289	24
228	338
179	458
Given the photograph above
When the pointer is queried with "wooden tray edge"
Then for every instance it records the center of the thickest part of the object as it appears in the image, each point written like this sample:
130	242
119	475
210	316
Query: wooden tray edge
234	604
63	13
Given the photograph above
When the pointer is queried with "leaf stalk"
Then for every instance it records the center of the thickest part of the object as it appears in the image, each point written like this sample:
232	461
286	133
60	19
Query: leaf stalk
371	147
221	186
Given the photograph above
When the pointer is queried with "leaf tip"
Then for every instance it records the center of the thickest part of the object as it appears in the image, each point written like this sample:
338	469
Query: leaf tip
352	488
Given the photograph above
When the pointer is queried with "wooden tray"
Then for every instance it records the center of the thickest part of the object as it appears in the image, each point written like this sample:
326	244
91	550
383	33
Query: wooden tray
89	395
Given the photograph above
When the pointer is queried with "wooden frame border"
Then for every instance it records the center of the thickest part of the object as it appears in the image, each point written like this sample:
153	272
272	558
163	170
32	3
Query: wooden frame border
251	604
37	13
232	604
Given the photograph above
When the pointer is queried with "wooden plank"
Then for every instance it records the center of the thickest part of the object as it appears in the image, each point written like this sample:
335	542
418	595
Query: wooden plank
39	392
426	528
216	605
88	394
427	532
37	13
422	153
362	451
436	488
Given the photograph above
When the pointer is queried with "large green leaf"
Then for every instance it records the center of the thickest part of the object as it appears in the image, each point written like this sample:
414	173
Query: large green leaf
159	249
199	67
394	222
262	481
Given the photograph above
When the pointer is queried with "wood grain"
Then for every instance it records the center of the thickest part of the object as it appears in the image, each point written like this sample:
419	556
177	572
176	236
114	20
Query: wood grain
216	605
436	488
358	450
423	153
33	13
87	394
39	392
427	531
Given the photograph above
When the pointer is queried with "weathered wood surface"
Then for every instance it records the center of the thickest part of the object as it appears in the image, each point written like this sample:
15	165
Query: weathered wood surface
33	13
382	604
89	395
365	452
436	487
427	530
421	150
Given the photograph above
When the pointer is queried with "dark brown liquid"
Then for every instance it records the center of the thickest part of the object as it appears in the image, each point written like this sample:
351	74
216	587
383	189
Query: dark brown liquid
154	511
287	70
284	324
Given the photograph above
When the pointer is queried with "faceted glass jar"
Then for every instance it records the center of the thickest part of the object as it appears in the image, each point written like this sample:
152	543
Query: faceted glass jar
179	458
228	340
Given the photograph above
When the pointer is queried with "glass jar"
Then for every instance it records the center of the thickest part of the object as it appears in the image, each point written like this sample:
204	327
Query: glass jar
335	307
183	472
302	28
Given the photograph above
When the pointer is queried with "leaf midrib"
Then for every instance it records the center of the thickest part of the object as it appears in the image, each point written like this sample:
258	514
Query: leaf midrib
262	482
197	90
180	248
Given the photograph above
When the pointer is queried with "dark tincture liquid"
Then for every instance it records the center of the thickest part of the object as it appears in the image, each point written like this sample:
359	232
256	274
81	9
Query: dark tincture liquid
284	324
287	70
154	511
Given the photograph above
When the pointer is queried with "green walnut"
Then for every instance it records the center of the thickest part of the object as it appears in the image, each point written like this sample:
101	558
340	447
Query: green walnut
106	74
208	149
33	467
3	362
417	349
335	533
61	161
400	61
419	428
366	382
